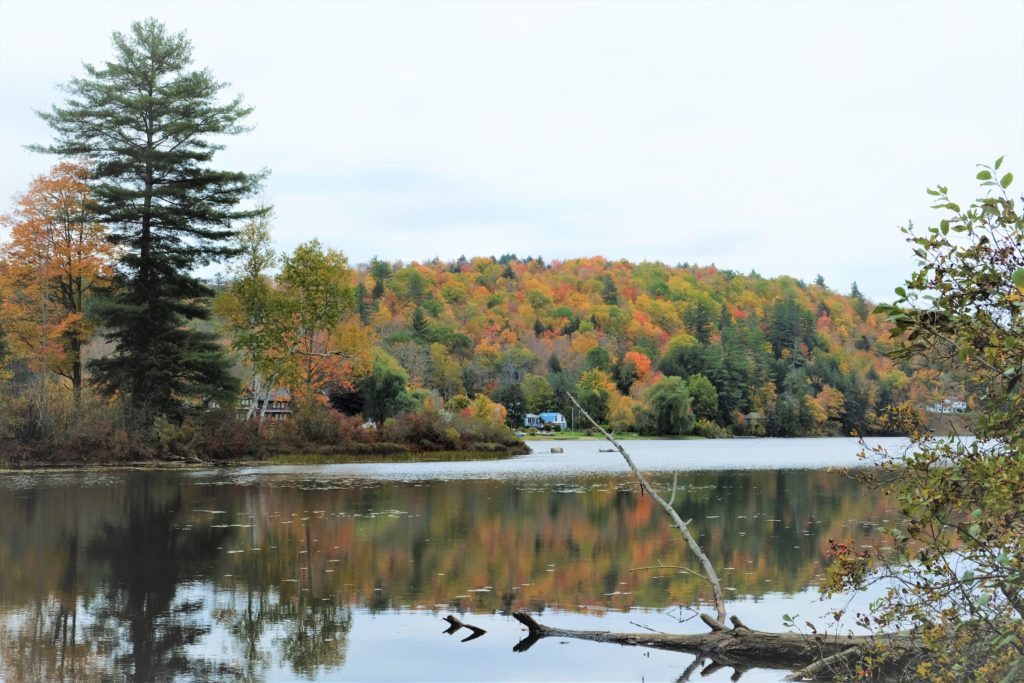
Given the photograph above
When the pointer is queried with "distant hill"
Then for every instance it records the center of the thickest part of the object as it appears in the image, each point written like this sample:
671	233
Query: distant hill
783	357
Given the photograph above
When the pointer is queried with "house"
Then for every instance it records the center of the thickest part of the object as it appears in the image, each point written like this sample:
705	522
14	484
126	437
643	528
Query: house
279	405
532	420
948	406
753	419
556	420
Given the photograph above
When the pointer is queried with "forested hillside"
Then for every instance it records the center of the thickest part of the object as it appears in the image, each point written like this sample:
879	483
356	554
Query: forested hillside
646	347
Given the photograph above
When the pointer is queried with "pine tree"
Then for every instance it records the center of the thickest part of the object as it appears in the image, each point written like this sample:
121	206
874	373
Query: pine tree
381	271
609	292
860	306
148	126
420	326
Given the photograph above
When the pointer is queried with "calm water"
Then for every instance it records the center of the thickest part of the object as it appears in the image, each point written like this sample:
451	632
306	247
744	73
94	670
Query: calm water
345	572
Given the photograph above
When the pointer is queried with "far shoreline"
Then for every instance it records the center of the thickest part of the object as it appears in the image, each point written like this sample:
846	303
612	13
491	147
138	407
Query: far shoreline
316	459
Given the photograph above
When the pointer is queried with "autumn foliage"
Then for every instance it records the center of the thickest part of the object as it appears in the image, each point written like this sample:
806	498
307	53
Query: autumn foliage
805	358
56	257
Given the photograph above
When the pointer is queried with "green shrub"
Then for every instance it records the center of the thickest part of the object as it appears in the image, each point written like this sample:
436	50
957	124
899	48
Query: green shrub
708	429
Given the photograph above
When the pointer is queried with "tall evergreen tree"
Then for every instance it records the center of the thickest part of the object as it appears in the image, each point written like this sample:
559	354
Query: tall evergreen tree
420	326
860	306
381	271
149	126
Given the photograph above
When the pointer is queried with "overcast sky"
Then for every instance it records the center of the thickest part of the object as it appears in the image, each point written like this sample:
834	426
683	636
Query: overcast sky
787	138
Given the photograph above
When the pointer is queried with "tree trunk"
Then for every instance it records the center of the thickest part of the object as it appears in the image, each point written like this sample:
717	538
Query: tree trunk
266	402
257	387
76	369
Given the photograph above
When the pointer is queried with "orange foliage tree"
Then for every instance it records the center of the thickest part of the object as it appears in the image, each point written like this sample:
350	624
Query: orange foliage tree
55	258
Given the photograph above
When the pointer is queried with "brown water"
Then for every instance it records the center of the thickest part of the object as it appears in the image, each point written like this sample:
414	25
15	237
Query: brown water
344	572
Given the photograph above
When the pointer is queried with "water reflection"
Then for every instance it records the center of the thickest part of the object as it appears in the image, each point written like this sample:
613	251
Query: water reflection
161	576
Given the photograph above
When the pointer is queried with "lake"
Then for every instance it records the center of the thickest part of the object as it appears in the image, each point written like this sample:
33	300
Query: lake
344	572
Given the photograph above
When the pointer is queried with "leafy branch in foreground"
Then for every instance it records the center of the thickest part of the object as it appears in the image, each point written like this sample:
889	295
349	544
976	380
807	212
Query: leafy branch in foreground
954	575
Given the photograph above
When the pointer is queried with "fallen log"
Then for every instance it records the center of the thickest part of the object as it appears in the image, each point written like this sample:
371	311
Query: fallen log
739	647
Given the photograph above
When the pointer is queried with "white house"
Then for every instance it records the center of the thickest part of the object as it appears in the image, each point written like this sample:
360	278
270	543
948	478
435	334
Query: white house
553	420
532	420
949	405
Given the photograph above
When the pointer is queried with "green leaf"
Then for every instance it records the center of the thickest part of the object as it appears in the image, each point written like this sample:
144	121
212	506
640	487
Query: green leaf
1018	278
976	514
975	530
984	599
984	175
968	576
902	292
1005	182
999	161
1004	558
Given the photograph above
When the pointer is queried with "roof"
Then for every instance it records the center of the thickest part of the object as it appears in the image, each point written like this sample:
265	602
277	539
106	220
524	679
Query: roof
275	395
552	417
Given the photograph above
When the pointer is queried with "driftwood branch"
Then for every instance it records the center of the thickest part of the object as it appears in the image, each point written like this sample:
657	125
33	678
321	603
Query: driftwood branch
454	624
709	570
739	647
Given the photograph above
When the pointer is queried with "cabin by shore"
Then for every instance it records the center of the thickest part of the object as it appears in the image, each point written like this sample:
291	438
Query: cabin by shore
545	421
279	405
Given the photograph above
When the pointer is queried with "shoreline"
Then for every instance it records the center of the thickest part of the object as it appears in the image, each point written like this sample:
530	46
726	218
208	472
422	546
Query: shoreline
352	458
196	464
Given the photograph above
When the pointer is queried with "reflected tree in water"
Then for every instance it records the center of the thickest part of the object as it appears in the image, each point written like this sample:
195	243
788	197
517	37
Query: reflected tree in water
148	611
277	598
